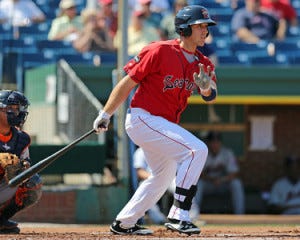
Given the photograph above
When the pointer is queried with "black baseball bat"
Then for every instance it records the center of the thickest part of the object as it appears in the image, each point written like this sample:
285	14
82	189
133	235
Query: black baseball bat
39	166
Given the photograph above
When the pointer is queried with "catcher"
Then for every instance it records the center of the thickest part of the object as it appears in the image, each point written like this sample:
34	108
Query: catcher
14	158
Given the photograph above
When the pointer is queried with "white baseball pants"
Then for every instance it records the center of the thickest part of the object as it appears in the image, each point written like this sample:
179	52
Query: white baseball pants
170	151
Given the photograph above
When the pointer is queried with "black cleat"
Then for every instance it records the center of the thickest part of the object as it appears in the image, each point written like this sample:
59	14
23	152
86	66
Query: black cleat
182	227
135	230
8	227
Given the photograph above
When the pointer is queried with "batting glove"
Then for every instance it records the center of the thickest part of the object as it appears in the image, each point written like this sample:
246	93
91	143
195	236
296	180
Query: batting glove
202	79
101	122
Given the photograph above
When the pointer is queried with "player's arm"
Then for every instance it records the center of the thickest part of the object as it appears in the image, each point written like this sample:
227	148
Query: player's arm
142	174
118	95
247	36
228	177
282	28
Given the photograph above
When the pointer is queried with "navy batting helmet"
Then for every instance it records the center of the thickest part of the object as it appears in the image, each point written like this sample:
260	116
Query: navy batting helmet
15	117
190	15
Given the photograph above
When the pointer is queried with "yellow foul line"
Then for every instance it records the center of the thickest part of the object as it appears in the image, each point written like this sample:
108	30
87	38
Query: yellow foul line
250	99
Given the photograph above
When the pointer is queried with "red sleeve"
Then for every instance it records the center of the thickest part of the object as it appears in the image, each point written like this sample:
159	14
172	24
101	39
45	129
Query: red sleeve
141	65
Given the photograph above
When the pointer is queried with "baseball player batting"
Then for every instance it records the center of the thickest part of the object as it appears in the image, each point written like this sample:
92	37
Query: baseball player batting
167	73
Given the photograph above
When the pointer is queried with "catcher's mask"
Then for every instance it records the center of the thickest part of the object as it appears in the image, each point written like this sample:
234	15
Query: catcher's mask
15	105
190	15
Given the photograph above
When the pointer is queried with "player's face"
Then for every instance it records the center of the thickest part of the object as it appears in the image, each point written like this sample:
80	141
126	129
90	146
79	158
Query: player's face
3	118
199	33
14	109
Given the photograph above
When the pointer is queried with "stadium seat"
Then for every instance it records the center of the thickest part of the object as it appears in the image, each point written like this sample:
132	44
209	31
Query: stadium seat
42	44
7	31
223	53
293	31
241	46
77	58
19	45
222	17
222	46
222	43
222	30
31	60
38	31
294	58
108	57
231	60
251	50
296	3
61	47
51	3
1	67
278	59
287	46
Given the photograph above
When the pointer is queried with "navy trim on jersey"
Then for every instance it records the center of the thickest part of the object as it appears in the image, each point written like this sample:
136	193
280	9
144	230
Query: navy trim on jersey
211	97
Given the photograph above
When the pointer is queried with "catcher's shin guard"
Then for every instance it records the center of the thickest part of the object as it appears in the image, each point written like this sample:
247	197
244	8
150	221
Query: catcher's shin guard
27	194
10	209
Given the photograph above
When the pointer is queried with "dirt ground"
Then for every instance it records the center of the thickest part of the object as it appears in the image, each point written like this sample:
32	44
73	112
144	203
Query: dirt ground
213	227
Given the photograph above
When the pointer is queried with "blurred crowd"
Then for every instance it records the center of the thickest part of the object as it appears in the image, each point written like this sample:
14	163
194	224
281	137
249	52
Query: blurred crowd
92	25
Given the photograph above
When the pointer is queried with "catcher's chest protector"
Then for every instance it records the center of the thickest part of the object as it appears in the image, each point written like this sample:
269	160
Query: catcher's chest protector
16	144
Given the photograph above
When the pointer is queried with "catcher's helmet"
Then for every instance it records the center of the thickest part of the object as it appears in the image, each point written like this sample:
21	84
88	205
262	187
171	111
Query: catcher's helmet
14	117
190	15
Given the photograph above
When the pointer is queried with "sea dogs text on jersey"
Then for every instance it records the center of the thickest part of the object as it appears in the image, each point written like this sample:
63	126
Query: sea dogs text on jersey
178	83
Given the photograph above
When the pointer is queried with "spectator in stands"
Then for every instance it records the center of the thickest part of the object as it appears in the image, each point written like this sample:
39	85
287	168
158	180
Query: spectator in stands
161	6
68	24
167	23
220	174
143	171
94	36
139	33
285	192
282	9
251	25
234	4
91	4
111	17
158	6
20	12
152	18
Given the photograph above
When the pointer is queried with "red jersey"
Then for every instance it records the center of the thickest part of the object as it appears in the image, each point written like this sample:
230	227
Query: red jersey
281	9
165	78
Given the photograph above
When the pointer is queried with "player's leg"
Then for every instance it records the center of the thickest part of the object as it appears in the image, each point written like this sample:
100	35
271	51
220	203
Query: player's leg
238	198
176	145
26	195
145	197
6	196
188	173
